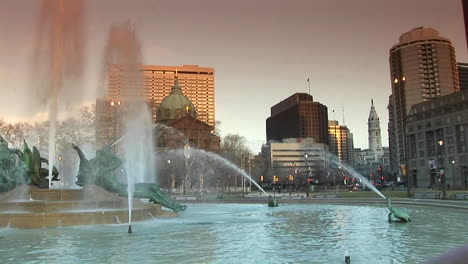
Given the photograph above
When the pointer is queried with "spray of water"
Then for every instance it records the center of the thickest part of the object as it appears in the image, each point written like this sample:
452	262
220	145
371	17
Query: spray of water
355	174
58	62
210	159
123	54
205	162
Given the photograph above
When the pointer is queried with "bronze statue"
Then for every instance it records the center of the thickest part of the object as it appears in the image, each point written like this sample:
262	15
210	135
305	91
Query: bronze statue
272	202
23	167
101	171
396	215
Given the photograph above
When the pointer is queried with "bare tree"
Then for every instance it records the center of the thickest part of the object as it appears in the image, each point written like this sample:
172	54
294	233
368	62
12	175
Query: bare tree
14	133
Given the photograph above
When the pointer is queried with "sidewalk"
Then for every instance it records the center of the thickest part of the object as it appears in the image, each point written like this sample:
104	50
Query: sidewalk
301	198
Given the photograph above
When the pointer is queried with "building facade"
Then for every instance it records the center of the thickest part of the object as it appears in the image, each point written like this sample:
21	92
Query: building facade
197	83
463	75
176	111
422	67
298	116
341	142
437	136
367	165
302	158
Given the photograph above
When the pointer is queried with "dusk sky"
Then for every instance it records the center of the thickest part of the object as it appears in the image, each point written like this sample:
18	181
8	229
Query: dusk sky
263	51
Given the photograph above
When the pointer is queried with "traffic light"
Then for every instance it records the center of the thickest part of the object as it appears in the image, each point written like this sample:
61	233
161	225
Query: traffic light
310	181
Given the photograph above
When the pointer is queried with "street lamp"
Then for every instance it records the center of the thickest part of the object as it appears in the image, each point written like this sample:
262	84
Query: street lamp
399	88
306	156
453	173
169	178
59	168
187	156
114	106
441	169
291	176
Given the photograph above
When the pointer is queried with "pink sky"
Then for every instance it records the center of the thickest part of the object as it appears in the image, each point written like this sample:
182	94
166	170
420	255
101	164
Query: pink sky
263	51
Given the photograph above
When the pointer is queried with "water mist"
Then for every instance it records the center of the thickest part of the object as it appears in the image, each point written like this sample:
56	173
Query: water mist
58	62
123	54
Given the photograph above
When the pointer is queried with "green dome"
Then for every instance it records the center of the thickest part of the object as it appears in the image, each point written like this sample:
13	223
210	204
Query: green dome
175	105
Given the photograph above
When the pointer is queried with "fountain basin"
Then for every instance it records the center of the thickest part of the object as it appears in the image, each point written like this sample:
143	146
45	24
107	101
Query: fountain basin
249	233
57	208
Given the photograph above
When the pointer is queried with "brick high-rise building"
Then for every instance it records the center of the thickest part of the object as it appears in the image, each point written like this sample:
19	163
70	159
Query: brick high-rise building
197	83
298	116
422	67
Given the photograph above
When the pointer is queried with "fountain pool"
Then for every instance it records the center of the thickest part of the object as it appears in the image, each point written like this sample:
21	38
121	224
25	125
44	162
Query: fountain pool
248	233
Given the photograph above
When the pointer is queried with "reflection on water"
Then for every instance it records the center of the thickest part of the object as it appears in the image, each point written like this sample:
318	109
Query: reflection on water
252	233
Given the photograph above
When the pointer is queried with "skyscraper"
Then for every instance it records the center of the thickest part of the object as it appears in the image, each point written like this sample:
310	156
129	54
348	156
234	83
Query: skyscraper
341	142
197	83
422	67
298	116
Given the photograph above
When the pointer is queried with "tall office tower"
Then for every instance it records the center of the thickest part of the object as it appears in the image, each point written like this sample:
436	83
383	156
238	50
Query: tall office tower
422	67
463	75
341	142
298	116
197	83
375	137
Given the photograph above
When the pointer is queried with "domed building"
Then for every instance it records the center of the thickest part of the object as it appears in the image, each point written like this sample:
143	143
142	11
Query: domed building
175	106
177	111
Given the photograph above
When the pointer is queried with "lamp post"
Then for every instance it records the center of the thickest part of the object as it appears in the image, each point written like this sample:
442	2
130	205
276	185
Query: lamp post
453	173
59	168
306	156
400	90
114	106
187	156
291	177
441	169
169	175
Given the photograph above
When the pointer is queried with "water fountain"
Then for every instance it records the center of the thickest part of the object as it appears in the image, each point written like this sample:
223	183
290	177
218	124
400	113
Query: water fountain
394	214
203	167
58	66
58	63
123	49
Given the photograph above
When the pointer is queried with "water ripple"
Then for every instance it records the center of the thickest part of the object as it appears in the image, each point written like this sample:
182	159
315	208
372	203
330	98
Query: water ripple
253	233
